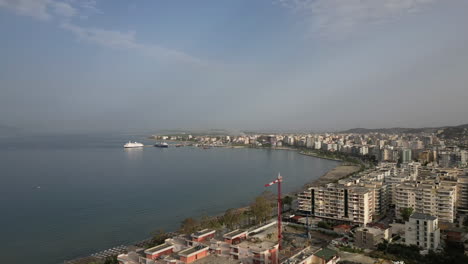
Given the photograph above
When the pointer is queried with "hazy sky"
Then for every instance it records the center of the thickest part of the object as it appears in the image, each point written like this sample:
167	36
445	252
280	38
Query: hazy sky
102	65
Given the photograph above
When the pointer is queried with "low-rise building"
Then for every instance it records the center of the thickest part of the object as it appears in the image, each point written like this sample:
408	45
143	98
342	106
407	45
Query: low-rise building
192	254
235	236
305	256
258	252
156	252
370	237
326	256
203	235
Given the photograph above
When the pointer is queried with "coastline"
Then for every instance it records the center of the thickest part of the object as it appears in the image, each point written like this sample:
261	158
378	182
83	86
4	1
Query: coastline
341	171
317	156
334	174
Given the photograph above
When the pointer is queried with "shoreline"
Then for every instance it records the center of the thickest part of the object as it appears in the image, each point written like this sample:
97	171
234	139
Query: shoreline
336	173
318	156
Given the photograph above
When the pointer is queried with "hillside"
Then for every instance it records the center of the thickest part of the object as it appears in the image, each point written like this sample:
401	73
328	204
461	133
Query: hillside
452	130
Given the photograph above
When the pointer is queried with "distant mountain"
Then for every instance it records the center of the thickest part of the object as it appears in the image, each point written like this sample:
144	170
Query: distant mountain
399	130
459	133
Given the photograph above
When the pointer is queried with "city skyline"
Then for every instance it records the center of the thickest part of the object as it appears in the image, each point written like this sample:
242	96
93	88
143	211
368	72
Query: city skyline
327	65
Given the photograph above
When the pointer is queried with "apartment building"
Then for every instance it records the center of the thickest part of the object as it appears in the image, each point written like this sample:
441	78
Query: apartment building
427	197
462	195
422	230
338	202
380	193
360	205
404	197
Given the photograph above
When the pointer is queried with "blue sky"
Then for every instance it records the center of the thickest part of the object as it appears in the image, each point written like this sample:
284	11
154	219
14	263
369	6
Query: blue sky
109	65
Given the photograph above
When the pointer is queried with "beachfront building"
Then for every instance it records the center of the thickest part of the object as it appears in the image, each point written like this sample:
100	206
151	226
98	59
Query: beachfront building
203	235
338	202
423	231
235	236
158	251
192	254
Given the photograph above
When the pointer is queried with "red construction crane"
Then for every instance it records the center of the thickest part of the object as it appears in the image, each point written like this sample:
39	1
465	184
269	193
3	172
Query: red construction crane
278	181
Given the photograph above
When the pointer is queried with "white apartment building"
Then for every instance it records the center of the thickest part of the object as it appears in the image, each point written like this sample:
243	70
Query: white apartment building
338	202
380	192
422	230
310	142
428	197
462	196
404	197
318	145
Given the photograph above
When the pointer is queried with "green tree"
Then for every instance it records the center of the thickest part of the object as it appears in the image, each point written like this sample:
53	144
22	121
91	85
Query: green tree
261	209
287	201
157	237
111	260
210	222
269	196
406	213
232	218
188	226
383	246
324	225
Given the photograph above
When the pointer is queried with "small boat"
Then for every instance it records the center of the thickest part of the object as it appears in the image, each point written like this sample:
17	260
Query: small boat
133	145
179	145
161	145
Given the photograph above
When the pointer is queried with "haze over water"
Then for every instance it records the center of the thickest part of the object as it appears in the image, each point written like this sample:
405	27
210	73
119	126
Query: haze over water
67	196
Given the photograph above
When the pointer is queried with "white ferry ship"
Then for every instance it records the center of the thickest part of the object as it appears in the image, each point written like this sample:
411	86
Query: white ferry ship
133	145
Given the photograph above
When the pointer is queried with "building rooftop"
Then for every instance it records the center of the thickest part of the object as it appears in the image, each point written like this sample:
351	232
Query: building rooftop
192	250
159	248
358	189
203	233
302	255
421	216
234	234
326	254
213	259
131	257
371	230
256	246
343	226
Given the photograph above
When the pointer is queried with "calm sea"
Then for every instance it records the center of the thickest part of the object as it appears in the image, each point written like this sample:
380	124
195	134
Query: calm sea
63	197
